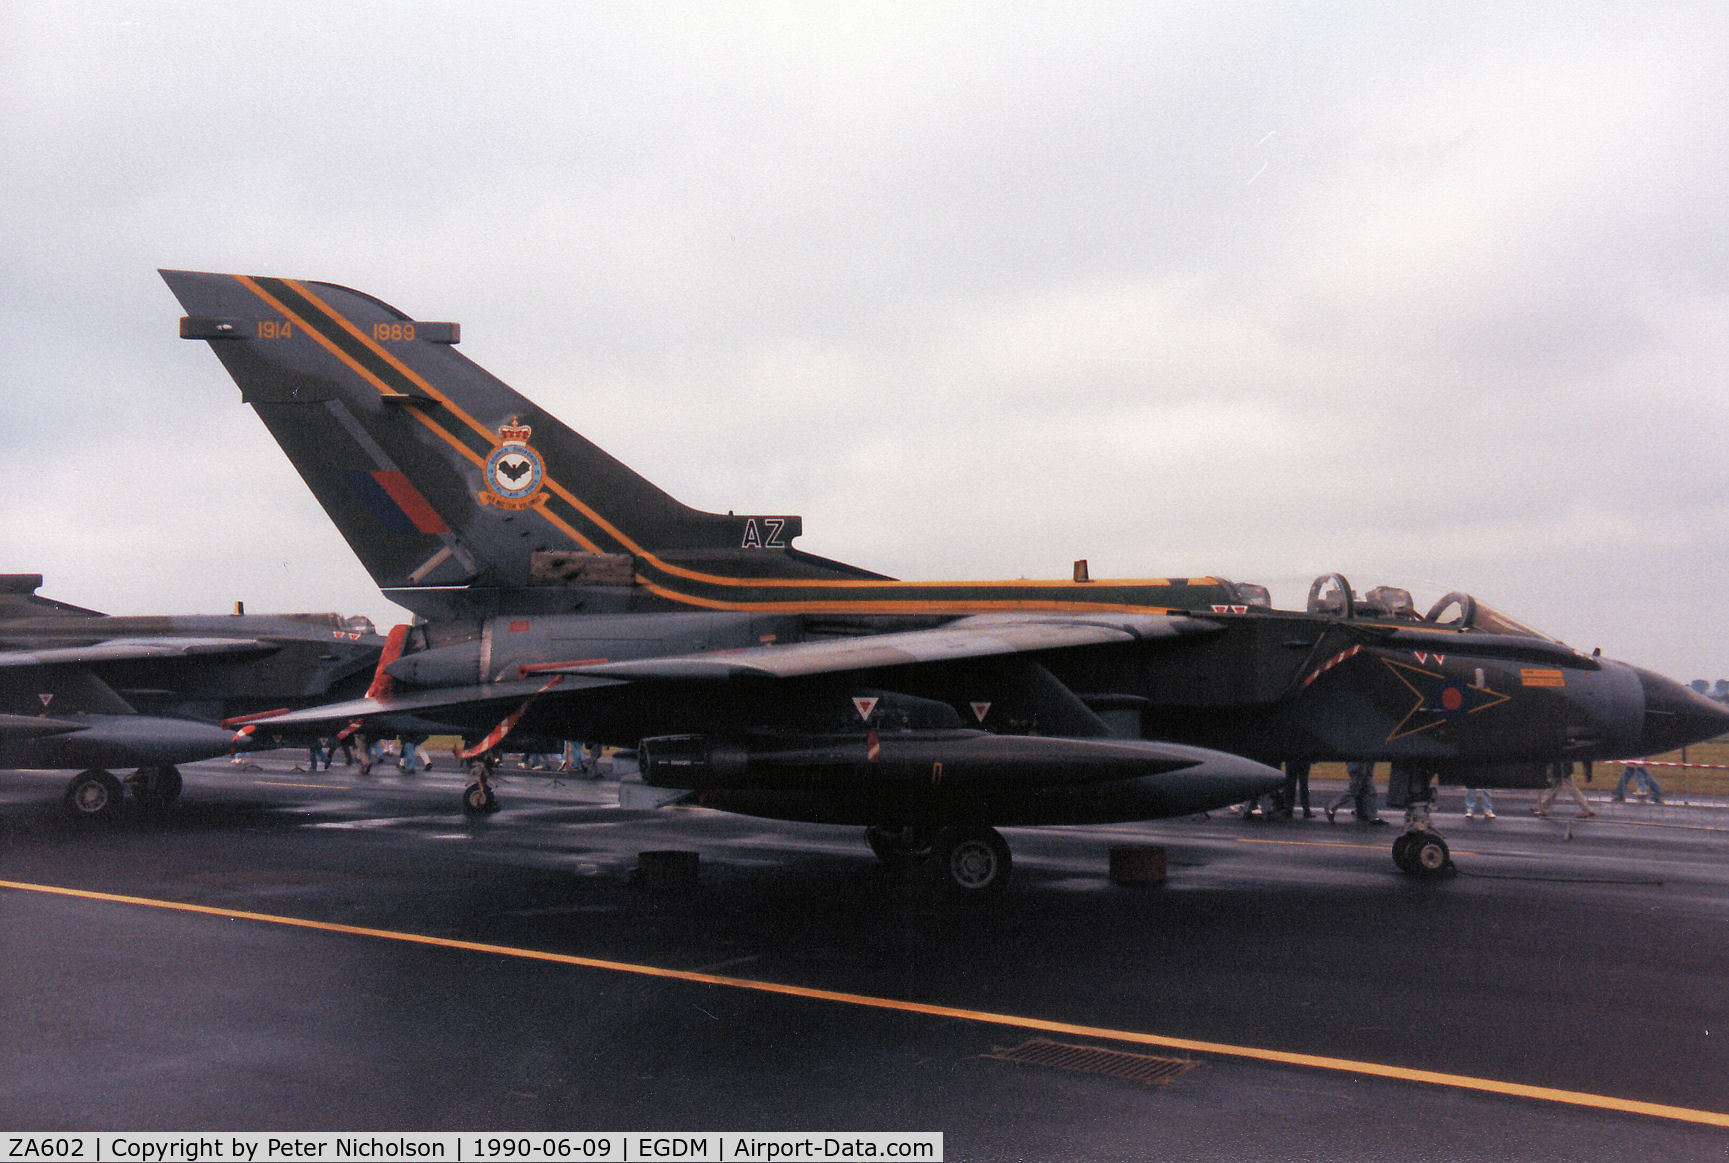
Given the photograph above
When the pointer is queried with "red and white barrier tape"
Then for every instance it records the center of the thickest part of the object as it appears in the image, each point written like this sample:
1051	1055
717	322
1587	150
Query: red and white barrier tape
497	734
1667	763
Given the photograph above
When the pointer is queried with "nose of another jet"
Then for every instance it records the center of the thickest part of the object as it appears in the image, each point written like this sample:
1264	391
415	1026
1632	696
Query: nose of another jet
1676	715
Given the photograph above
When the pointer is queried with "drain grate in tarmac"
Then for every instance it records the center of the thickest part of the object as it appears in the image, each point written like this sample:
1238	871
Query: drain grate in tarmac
1148	1069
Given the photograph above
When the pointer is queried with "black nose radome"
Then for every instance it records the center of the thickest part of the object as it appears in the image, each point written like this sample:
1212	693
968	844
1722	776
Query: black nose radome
1676	716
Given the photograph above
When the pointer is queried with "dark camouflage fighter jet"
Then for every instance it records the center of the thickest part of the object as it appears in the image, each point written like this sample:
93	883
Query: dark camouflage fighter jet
563	594
79	689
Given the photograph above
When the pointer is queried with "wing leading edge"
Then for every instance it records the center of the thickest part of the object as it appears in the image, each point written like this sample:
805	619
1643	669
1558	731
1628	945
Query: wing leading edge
135	649
982	636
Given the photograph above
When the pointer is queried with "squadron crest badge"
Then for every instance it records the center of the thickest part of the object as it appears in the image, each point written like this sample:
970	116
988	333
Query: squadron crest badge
514	472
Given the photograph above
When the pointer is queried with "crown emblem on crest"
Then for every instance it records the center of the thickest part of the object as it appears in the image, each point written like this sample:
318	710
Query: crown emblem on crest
514	472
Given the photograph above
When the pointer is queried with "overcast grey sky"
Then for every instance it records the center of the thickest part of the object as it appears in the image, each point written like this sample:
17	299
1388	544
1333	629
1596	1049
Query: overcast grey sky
1432	295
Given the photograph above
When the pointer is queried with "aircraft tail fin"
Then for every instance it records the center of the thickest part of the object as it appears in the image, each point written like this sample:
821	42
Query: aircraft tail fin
19	599
459	495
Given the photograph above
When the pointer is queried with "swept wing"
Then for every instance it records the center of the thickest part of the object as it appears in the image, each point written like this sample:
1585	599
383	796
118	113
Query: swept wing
983	636
135	649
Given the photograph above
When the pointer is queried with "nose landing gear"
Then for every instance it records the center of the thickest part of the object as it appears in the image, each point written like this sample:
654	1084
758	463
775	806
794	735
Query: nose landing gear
1422	853
1420	850
478	798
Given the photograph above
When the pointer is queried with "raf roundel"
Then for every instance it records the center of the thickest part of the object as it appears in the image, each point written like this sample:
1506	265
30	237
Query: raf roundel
514	470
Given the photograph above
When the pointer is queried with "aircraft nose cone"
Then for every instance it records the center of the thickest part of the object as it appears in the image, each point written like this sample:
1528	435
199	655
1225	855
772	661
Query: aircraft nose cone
1676	715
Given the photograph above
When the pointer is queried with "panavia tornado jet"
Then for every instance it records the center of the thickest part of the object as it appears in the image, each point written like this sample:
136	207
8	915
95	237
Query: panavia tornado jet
85	690
561	594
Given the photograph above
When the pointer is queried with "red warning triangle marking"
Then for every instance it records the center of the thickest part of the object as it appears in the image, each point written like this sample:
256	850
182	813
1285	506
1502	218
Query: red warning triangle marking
865	707
980	710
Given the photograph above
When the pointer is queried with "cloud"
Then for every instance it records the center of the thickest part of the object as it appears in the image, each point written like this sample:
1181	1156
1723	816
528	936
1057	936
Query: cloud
1256	290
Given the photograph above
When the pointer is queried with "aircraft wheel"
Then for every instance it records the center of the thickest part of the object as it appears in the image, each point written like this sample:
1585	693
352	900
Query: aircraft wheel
156	787
899	847
1402	851
478	800
93	794
1428	855
976	860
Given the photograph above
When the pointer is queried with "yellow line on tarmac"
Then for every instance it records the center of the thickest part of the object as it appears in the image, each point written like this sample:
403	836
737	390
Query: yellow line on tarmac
1309	843
1330	844
283	783
986	1017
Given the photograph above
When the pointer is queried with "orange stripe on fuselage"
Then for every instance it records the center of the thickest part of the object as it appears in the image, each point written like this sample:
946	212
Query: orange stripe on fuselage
889	605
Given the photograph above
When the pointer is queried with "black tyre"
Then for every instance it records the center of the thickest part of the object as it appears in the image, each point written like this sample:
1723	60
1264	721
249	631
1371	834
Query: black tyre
1428	855
156	787
93	795
478	800
899	847
976	861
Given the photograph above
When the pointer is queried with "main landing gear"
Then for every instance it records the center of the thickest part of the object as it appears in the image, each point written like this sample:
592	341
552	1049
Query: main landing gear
973	860
96	794
1420	850
93	795
155	787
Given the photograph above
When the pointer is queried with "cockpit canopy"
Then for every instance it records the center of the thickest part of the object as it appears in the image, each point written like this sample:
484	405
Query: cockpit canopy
1332	594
